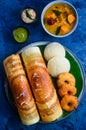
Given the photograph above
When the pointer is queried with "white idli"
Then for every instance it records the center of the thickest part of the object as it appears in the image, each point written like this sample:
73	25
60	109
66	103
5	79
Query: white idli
53	49
57	65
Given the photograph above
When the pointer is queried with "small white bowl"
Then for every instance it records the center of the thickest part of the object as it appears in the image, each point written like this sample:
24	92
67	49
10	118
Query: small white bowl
57	2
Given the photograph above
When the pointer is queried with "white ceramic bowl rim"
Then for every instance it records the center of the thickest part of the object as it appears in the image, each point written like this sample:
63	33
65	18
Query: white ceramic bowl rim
52	3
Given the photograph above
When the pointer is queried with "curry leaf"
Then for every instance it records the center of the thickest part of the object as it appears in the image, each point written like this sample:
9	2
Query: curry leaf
58	30
67	18
57	13
67	21
28	15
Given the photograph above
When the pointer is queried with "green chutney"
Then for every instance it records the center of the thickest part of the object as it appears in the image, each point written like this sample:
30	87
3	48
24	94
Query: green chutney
20	34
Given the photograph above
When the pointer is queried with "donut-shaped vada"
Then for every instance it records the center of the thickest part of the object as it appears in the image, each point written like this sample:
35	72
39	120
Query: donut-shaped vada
65	79
67	89
69	103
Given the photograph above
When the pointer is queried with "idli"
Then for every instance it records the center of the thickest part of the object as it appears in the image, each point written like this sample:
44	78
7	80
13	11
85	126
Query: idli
53	49
57	65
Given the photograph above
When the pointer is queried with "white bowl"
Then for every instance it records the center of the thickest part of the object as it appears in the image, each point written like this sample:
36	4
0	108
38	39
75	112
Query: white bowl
57	2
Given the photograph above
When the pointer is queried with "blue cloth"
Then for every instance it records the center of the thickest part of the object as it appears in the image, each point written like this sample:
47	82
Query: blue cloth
10	11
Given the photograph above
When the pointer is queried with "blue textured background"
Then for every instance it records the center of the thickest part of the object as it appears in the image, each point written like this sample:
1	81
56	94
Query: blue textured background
10	11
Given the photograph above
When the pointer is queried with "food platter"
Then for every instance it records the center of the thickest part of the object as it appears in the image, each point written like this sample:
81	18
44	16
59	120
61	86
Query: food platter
76	69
